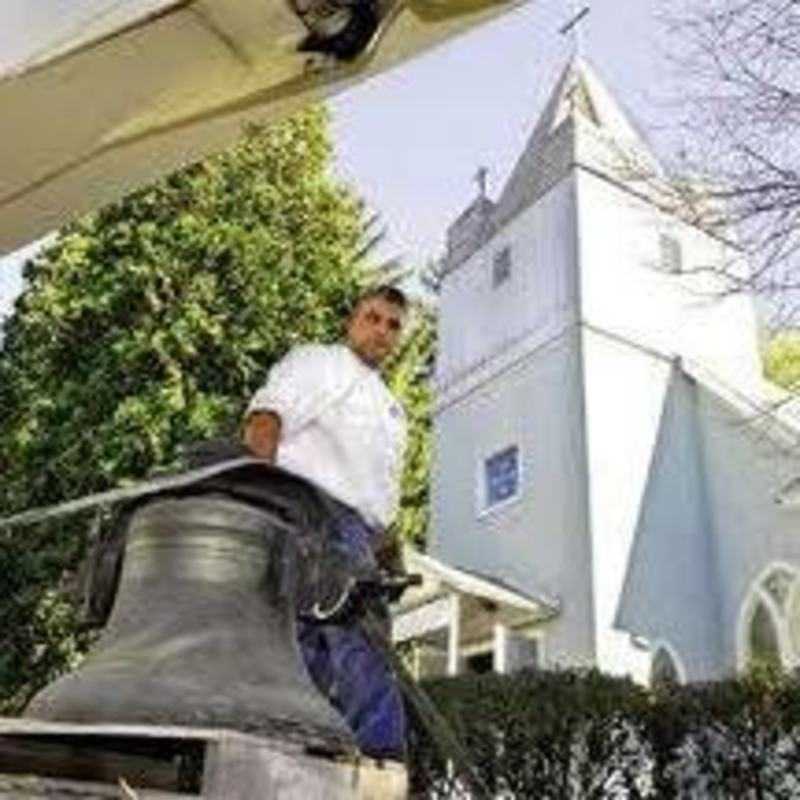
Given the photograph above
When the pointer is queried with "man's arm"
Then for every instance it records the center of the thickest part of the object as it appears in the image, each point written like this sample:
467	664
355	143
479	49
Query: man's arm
262	432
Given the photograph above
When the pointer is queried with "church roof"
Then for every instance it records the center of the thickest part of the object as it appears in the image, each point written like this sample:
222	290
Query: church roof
582	123
775	412
485	587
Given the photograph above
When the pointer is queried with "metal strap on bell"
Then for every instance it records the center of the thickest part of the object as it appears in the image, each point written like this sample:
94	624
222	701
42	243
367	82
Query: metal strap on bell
202	630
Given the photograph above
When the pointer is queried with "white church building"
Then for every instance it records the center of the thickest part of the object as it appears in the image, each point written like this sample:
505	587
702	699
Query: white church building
612	483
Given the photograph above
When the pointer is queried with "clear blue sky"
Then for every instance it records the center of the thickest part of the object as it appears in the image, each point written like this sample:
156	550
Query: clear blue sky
410	140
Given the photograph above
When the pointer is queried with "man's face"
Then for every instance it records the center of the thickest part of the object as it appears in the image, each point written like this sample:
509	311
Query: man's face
374	329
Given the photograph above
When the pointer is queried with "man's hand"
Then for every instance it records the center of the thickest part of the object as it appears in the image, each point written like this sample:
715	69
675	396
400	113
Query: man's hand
262	432
389	553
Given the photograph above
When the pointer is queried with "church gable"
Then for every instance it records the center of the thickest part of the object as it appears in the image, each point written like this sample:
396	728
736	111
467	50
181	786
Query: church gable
714	523
581	124
750	459
670	593
577	99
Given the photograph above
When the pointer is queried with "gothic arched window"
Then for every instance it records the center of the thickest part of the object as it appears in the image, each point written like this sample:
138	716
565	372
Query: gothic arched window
764	644
664	670
771	623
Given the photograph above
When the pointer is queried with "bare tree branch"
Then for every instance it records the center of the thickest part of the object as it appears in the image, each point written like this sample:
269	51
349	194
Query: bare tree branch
737	175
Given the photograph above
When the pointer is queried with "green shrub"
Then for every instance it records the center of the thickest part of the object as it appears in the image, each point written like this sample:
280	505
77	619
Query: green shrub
582	734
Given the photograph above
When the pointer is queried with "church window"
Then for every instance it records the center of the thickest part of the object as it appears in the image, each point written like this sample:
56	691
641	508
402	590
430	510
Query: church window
671	253
501	267
763	638
522	652
664	670
770	623
501	474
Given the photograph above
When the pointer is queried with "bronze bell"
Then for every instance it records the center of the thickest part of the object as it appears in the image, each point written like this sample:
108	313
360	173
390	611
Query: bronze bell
202	631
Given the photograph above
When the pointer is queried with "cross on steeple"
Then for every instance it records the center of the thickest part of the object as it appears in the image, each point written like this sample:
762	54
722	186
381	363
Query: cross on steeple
574	26
480	179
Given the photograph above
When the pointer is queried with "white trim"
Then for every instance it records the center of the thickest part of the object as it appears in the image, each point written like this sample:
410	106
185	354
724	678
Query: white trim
792	650
667	647
758	596
472	584
774	566
500	648
454	635
421	620
746	611
477	648
453	387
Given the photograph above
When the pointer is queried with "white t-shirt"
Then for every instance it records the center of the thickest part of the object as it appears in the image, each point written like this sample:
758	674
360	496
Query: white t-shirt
341	427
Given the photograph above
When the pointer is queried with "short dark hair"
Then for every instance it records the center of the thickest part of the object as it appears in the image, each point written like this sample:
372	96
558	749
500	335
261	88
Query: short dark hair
391	294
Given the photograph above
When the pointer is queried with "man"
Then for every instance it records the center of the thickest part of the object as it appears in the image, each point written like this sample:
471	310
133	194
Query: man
325	414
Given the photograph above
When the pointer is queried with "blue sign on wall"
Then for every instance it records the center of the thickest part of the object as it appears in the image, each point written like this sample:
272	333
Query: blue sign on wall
502	475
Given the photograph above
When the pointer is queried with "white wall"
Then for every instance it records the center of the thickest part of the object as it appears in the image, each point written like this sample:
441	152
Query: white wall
539	542
623	288
628	301
709	529
745	469
477	321
671	593
624	397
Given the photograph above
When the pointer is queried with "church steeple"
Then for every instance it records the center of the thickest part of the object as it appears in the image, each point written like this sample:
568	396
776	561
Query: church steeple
581	124
578	99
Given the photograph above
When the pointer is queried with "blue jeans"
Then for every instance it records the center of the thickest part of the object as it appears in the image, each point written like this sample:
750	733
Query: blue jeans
345	666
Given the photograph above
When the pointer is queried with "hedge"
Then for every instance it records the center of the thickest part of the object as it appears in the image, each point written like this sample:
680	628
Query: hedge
582	734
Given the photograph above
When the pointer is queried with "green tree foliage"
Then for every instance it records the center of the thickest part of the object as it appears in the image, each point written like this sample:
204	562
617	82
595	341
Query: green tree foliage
782	360
148	325
409	377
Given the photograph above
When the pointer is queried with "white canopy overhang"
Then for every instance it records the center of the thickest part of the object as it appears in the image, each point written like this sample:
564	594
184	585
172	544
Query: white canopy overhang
474	604
151	85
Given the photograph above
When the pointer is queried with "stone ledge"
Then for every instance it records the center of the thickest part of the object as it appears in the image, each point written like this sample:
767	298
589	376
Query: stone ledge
85	762
29	787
